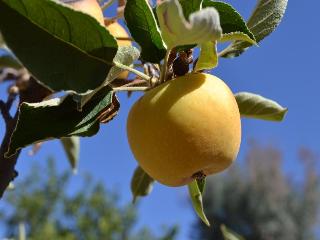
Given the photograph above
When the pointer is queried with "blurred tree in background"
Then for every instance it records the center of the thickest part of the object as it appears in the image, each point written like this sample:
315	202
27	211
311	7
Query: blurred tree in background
41	206
260	202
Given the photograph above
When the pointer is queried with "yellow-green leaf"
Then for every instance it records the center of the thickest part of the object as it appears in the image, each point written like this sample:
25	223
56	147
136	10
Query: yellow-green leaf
208	57
196	199
255	106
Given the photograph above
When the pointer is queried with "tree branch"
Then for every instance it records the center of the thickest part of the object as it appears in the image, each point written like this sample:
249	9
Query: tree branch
7	74
33	92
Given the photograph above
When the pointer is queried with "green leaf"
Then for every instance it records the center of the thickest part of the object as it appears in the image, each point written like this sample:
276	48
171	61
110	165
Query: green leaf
231	21
9	61
10	187
236	36
126	55
265	19
144	30
58	118
201	184
1	41
63	48
230	235
203	25
255	106
208	57
196	199
141	183
71	146
190	6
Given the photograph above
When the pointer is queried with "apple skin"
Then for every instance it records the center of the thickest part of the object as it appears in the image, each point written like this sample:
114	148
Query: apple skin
119	32
90	7
93	8
184	127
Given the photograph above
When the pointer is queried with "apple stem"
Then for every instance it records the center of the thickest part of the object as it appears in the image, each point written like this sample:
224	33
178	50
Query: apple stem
140	74
199	175
124	38
119	89
224	51
163	72
107	4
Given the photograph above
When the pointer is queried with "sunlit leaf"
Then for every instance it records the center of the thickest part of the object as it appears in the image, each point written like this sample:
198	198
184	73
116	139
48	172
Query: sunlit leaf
196	199
144	30
231	21
58	118
190	6
63	48
208	57
230	235
71	146
201	27
236	36
126	55
141	183
265	19
255	106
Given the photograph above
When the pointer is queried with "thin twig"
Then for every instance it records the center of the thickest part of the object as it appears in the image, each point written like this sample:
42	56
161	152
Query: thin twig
9	74
6	106
107	4
120	89
34	92
136	82
124	38
4	111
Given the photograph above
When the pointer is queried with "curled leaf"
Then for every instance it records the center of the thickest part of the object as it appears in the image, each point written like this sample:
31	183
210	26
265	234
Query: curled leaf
230	235
141	183
202	26
71	146
237	36
57	118
208	57
255	106
195	192
264	20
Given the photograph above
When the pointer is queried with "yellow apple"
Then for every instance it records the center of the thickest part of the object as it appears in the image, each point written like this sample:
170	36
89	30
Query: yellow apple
119	32
90	7
93	8
186	128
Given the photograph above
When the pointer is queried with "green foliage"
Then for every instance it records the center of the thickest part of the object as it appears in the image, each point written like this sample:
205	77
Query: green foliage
190	6
259	201
264	20
143	28
58	118
141	183
71	146
68	50
231	20
1	41
9	61
230	235
208	57
255	106
196	191
126	55
202	26
43	204
80	47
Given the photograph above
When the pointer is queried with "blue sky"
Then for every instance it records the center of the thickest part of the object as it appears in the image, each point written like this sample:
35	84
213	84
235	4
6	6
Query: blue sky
285	67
